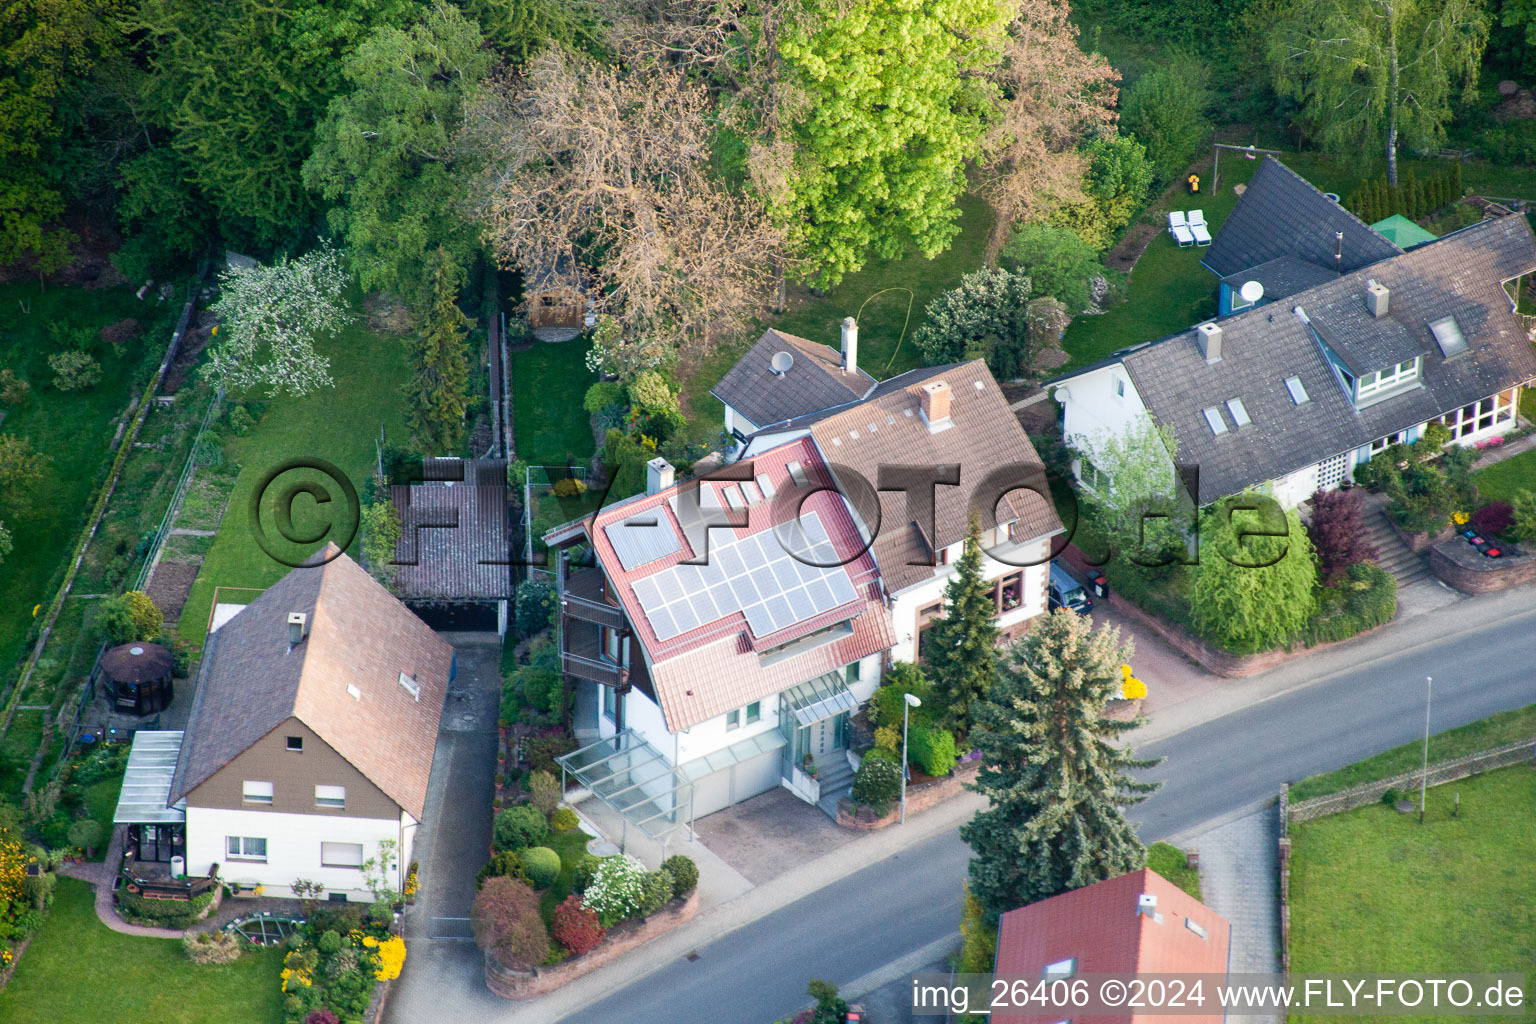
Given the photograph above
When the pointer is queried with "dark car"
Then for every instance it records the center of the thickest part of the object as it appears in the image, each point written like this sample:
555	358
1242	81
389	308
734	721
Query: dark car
1066	592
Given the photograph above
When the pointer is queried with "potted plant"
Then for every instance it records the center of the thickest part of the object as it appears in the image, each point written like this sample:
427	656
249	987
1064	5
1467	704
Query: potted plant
810	766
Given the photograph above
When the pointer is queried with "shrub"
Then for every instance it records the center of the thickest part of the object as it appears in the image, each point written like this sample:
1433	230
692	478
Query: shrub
541	751
616	889
656	891
542	865
932	749
240	421
978	939
1522	507
586	867
885	707
504	864
519	827
86	834
1165	111
544	791
217	947
888	737
684	872
564	819
830	1009
1363	598
534	605
601	395
507	925
122	331
127	617
163	913
329	942
1391	797
1493	518
1057	262
391	954
13	390
877	782
1338	531
576	926
335	917
569	487
74	371
347	962
322	1016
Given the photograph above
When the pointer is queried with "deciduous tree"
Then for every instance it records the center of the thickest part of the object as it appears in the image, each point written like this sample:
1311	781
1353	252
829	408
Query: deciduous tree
1338	532
1253	586
1371	73
1165	111
507	925
987	316
1052	767
21	470
1058	263
270	317
960	650
1134	492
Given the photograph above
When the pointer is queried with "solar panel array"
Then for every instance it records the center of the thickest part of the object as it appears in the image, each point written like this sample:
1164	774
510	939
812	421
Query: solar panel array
642	538
754	575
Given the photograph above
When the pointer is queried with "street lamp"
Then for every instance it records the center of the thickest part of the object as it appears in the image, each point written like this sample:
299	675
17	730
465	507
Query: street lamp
906	713
1429	689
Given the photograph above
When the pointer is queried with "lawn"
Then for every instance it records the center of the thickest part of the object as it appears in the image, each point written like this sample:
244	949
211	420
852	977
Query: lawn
571	846
338	425
549	381
1171	862
101	804
76	971
1500	481
1494	731
16	750
1373	891
72	429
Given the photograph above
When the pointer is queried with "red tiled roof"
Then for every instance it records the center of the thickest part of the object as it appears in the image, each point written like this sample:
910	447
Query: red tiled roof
1098	925
714	667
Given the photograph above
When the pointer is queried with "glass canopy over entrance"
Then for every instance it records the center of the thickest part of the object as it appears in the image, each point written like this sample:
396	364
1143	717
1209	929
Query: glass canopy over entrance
635	781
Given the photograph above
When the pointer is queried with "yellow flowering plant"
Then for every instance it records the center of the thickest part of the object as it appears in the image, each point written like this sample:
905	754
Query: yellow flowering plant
1460	518
391	957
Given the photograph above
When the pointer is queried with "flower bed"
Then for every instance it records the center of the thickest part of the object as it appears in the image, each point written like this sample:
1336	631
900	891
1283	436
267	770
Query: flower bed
334	962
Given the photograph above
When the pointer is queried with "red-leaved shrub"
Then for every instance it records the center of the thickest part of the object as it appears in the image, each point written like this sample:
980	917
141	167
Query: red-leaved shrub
322	1016
1493	518
576	927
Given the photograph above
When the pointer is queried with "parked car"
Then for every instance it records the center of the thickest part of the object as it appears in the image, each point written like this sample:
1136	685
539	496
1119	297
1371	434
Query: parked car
1066	592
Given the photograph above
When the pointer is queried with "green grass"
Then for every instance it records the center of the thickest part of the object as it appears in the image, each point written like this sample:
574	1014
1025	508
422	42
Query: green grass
74	430
100	803
549	382
1500	481
1373	891
17	748
76	971
1170	862
1494	731
571	846
338	425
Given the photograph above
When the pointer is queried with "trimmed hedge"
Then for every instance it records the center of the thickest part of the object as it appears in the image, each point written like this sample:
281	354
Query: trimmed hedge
164	913
877	782
1365	598
932	750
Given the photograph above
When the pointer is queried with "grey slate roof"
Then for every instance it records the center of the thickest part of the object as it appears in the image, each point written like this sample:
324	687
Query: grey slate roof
252	681
455	542
1281	276
1281	214
1459	275
816	381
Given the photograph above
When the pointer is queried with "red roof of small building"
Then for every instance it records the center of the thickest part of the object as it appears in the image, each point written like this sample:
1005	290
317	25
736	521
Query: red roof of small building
1101	927
717	665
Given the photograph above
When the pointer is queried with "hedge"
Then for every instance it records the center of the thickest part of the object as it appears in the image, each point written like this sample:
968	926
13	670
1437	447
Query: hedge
166	913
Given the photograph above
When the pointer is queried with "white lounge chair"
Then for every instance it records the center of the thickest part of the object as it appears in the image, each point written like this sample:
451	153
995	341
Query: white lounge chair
1196	217
1178	226
1201	233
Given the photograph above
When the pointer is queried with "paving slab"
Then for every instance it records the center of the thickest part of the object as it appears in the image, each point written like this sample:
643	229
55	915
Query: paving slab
772	832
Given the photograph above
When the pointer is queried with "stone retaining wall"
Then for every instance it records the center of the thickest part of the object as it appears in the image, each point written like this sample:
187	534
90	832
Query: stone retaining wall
919	798
1460	565
514	984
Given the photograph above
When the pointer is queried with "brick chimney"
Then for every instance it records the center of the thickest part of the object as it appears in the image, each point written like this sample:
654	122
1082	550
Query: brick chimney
935	396
850	345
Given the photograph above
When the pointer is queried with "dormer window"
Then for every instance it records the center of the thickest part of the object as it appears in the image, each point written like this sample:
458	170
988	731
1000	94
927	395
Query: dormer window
1119	387
1387	380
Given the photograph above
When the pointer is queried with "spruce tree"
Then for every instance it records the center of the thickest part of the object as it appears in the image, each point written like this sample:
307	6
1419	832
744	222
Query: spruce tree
1056	778
437	394
960	651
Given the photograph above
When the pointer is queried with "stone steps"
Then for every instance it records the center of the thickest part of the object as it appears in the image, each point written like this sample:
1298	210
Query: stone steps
1393	555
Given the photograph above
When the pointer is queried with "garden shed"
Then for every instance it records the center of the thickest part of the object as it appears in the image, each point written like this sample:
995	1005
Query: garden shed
139	677
557	305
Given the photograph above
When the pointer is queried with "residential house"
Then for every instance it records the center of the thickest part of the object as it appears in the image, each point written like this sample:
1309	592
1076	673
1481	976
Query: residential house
1136	923
311	735
1320	369
732	624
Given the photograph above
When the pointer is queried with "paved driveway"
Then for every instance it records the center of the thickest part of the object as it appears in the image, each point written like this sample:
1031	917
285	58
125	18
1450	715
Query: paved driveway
455	838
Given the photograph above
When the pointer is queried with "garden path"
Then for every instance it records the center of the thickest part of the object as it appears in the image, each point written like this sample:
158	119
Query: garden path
1504	451
100	874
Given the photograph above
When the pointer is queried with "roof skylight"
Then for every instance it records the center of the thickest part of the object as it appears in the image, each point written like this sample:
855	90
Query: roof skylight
1298	393
1214	418
1239	412
1448	336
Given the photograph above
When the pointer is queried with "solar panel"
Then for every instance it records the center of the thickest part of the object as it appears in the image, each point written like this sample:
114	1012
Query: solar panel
661	622
778	607
800	603
685	615
758	620
642	538
784	573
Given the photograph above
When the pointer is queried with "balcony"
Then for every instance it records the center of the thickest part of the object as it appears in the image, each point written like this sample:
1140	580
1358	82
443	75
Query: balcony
583	599
581	655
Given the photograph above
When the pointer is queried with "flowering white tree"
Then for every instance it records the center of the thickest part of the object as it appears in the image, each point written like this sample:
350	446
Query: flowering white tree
269	318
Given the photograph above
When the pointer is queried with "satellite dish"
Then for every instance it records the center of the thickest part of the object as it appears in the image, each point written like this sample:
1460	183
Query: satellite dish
1251	291
781	363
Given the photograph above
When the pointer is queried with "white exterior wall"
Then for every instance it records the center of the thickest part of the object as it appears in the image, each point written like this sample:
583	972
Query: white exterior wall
764	442
905	604
293	847
736	421
1091	409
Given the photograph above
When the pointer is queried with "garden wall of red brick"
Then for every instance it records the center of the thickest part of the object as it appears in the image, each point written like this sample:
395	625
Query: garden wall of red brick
1460	565
919	798
514	984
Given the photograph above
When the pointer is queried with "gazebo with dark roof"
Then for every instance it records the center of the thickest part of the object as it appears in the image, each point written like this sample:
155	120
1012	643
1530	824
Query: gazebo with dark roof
139	675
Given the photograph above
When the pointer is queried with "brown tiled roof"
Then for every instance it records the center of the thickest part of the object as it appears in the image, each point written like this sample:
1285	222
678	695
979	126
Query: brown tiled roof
454	538
358	635
1098	926
887	430
815	382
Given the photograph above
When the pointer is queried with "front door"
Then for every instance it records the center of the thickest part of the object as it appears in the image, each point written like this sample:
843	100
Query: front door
821	738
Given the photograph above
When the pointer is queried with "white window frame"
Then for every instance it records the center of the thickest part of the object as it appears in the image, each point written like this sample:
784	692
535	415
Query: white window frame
335	864
1215	420
1381	444
1463	422
733	719
234	843
1119	387
1061	968
326	796
1239	412
1298	390
753	713
1385	380
251	792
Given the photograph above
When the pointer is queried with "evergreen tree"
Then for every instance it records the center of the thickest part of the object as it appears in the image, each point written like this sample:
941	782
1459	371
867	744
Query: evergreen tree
1056	778
437	394
961	648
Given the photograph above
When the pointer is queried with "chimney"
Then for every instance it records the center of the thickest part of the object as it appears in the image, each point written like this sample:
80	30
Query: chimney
1146	904
850	345
1338	251
296	628
935	397
1376	296
1209	337
658	475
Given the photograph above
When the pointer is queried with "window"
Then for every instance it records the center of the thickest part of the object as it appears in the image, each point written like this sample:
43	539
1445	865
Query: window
1198	929
733	719
1119	388
245	848
851	672
754	712
1010	592
411	686
1298	393
1239	412
1217	424
257	792
610	712
341	855
1061	968
1382	380
330	796
1497	410
296	743
1382	443
354	692
1448	336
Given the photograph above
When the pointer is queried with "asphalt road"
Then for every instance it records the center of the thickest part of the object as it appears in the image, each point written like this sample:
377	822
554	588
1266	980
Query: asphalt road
758	973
